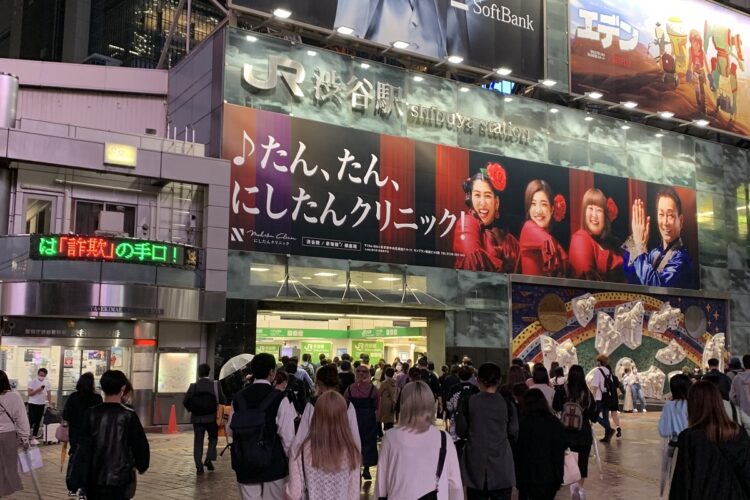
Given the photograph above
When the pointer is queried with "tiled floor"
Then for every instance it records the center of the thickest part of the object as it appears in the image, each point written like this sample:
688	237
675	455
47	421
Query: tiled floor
631	469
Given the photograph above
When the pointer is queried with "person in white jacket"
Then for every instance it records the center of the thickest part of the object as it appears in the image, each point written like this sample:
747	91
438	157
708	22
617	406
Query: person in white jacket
739	394
409	454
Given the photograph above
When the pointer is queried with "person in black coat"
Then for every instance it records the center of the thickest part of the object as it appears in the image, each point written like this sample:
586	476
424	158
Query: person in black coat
713	453
540	450
74	412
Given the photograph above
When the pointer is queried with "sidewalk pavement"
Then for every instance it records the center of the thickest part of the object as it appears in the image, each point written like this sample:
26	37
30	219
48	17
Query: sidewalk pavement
631	469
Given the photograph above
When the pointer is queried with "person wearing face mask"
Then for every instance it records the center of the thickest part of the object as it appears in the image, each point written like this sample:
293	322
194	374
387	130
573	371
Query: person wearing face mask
668	264
593	253
541	253
482	245
366	401
113	444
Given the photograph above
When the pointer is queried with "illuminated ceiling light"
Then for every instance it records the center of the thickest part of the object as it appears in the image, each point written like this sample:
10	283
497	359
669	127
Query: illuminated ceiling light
312	53
282	13
455	59
418	78
594	95
548	83
630	104
302	313
625	127
508	99
389	278
658	135
367	281
503	71
260	269
401	45
589	118
345	30
378	316
251	38
554	110
325	274
464	89
666	114
364	66
306	278
702	123
289	281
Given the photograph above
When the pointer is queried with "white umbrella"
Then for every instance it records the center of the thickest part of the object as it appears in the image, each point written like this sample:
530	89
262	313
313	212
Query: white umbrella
234	365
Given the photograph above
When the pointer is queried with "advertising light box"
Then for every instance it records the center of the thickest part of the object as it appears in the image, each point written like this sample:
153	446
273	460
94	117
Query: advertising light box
314	189
681	57
489	34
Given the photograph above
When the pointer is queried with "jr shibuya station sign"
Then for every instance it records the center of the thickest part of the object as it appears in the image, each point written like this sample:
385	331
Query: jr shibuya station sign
489	34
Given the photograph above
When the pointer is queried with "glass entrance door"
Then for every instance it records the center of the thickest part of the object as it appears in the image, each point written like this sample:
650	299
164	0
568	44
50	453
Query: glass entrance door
79	361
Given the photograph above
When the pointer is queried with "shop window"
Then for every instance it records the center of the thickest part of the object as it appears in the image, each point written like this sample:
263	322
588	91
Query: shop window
89	218
39	213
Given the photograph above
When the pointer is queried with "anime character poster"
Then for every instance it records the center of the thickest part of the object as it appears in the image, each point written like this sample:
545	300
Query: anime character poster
679	56
315	189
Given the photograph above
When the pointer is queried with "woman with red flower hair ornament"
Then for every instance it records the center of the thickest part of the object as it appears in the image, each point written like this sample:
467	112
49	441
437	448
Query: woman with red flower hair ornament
541	253
594	255
481	244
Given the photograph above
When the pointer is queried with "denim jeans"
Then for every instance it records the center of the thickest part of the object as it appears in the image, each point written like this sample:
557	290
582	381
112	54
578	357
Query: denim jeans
638	400
602	411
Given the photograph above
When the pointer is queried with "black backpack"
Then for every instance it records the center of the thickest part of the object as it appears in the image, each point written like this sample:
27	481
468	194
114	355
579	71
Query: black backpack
202	403
610	389
298	393
254	437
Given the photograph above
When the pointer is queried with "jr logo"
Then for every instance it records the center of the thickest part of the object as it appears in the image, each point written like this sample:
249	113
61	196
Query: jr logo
292	72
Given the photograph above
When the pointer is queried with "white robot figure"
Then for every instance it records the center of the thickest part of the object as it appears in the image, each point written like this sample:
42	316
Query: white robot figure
672	354
567	355
549	350
583	308
715	349
608	338
666	317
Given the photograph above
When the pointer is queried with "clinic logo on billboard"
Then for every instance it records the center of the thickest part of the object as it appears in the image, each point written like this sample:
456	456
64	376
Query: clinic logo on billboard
501	14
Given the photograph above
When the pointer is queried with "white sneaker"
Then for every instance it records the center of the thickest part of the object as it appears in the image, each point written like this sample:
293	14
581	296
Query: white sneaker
34	442
581	494
644	410
574	489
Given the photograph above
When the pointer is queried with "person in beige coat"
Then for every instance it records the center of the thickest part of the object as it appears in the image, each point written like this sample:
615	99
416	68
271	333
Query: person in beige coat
388	396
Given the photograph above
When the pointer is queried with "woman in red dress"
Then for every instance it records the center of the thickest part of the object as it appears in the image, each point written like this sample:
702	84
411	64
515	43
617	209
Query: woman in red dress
541	253
483	246
593	253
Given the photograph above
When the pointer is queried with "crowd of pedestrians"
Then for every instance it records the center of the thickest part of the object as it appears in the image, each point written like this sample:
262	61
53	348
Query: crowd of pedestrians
304	431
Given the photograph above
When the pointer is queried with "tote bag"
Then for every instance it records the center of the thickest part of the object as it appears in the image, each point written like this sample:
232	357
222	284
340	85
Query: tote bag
571	472
29	460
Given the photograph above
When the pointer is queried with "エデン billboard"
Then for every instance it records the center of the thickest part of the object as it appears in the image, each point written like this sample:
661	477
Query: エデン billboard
676	56
315	189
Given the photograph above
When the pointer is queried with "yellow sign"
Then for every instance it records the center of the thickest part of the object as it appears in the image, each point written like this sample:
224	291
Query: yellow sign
122	155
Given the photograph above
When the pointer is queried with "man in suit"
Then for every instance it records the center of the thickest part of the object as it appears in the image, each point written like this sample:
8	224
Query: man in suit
433	28
203	424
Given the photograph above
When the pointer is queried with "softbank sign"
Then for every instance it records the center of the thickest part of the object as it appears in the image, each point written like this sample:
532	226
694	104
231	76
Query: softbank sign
499	13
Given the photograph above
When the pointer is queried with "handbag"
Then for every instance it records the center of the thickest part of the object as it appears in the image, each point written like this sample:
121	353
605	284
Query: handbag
571	472
433	495
62	433
29	459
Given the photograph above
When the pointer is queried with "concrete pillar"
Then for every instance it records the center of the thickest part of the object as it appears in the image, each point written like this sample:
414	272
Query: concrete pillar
5	189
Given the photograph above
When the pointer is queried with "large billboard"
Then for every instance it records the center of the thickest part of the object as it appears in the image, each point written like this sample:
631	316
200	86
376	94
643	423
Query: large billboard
308	188
676	56
484	33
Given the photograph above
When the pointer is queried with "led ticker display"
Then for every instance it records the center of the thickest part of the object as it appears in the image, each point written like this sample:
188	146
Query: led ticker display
106	249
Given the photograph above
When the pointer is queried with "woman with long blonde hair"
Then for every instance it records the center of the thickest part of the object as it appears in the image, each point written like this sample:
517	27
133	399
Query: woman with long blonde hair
326	465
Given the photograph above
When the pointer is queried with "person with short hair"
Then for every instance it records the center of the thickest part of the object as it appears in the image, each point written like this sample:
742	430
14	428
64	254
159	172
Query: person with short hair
488	423
410	452
668	264
713	458
540	377
112	446
268	483
734	367
721	380
346	377
600	395
204	424
40	396
365	399
739	394
453	400
307	365
315	472
388	396
14	431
